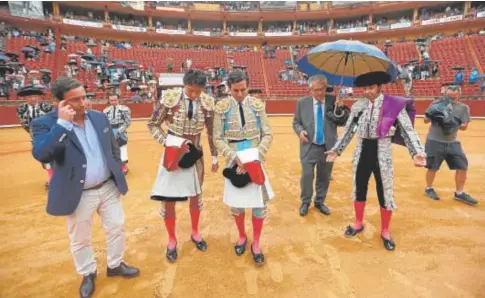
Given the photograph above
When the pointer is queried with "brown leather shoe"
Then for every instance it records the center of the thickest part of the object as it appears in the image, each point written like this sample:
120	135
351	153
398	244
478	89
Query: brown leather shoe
123	270
86	290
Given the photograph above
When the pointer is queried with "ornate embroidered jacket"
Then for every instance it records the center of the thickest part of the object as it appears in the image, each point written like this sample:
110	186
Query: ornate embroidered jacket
230	136
171	110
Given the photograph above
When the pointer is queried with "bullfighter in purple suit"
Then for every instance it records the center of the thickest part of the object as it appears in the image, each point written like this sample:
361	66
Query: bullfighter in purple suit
379	120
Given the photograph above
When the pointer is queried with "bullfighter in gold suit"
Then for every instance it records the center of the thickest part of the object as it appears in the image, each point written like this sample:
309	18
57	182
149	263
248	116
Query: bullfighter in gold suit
185	111
243	136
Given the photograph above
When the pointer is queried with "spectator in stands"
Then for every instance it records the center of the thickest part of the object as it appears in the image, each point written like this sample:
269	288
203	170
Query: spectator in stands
426	57
459	77
482	84
169	64
474	76
434	70
46	80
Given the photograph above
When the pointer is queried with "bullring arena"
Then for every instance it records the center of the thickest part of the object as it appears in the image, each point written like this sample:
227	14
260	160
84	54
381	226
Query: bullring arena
440	245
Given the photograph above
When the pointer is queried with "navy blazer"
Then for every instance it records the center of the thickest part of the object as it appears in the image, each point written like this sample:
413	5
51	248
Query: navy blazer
56	145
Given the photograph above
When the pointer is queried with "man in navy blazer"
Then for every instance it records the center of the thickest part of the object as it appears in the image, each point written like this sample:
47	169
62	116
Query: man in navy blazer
87	177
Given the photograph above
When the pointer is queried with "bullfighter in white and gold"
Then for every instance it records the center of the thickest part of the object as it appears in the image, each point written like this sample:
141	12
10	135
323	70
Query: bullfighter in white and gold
32	109
185	111
119	117
243	136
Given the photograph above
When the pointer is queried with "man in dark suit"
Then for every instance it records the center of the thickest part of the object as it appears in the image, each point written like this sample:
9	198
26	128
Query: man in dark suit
317	133
87	178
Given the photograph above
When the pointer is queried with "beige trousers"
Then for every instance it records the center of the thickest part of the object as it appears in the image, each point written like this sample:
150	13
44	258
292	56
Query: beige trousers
107	202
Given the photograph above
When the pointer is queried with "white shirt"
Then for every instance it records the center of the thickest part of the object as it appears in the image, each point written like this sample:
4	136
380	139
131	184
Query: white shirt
315	115
31	111
194	104
243	103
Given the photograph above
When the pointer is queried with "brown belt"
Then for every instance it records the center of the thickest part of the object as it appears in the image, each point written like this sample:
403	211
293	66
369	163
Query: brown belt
99	185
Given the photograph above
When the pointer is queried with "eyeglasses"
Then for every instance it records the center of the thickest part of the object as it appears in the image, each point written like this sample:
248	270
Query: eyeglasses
318	90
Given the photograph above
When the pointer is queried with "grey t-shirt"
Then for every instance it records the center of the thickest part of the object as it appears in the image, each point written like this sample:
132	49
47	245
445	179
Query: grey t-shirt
460	111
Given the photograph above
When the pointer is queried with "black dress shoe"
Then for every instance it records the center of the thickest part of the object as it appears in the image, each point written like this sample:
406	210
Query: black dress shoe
388	243
240	248
324	209
304	209
201	245
171	254
124	270
351	232
87	286
258	258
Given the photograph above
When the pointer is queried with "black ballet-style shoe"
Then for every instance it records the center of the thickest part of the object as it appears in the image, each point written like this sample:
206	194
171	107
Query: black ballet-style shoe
388	243
258	258
240	248
201	245
351	232
172	254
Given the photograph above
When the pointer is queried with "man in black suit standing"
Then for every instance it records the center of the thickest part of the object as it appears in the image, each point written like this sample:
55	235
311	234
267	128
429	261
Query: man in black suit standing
317	133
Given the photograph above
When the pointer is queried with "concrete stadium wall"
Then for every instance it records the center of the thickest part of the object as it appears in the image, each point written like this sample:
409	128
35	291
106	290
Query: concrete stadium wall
8	115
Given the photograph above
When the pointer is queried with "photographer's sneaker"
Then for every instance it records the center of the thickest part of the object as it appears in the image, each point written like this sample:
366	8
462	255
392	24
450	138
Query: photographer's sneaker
465	198
431	194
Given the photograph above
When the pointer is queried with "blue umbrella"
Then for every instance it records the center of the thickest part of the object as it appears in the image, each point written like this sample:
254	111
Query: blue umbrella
344	60
3	57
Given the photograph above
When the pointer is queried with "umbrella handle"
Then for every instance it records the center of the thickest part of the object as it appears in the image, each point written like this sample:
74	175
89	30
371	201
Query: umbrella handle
335	109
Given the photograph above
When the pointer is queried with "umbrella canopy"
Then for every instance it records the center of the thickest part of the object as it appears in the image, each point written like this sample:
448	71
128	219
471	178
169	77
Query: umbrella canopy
344	60
3	57
80	53
88	57
44	70
4	69
35	48
11	55
27	49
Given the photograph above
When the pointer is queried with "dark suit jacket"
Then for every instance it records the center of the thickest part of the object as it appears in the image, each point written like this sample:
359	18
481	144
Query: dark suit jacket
56	145
304	119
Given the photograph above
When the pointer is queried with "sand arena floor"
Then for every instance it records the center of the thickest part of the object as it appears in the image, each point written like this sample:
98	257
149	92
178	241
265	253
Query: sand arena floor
440	245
